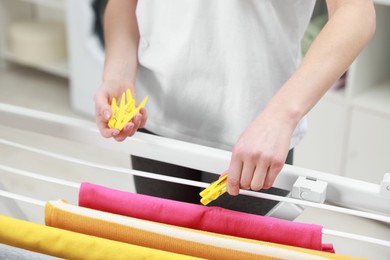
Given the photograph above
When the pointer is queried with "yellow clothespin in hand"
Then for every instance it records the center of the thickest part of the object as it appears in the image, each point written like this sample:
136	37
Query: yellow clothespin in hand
213	191
123	114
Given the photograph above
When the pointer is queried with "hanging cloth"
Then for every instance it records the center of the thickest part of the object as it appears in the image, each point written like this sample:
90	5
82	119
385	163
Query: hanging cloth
71	245
212	219
168	237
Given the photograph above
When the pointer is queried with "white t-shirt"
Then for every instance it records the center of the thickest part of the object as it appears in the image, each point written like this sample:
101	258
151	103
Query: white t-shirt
210	66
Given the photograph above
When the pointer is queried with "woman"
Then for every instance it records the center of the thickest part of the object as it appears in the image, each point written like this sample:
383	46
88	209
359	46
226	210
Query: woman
226	74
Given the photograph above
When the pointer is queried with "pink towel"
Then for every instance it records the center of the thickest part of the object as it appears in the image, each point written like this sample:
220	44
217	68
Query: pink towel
212	219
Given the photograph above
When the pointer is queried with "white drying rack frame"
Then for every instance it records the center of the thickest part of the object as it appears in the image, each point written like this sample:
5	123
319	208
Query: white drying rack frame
351	196
342	191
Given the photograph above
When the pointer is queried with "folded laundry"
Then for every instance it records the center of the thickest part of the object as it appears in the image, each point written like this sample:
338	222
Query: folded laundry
212	219
170	238
72	245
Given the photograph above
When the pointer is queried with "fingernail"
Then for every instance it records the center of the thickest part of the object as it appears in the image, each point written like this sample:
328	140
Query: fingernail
106	114
139	119
115	133
129	127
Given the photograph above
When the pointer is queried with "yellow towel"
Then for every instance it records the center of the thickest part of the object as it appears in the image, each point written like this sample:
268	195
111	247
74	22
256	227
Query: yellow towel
170	238
72	245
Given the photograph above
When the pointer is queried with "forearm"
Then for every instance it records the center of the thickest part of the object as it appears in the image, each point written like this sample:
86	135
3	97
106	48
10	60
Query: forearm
121	41
351	25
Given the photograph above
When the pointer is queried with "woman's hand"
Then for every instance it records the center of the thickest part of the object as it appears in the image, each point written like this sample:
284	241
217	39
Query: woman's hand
260	153
103	97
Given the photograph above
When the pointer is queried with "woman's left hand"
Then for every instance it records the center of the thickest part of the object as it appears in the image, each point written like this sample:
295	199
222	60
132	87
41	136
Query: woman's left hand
260	154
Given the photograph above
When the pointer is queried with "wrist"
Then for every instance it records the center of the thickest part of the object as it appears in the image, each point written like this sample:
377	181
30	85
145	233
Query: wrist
119	71
283	112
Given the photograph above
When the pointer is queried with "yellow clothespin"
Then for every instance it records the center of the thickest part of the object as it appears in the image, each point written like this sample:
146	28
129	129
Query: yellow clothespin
213	191
122	114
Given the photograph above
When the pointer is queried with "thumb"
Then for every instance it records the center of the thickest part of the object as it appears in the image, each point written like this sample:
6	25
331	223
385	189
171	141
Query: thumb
106	113
101	105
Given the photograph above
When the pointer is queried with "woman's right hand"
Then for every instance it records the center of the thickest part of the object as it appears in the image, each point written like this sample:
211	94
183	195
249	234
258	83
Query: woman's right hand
102	99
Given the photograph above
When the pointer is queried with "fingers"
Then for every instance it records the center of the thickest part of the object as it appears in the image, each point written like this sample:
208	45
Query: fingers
273	172
254	174
103	114
102	101
233	180
247	175
102	107
130	128
259	177
103	128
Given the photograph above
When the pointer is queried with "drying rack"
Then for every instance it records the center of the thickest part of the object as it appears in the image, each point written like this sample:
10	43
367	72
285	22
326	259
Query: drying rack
336	193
